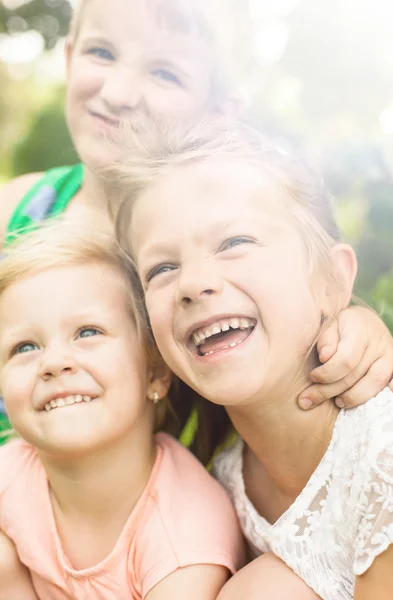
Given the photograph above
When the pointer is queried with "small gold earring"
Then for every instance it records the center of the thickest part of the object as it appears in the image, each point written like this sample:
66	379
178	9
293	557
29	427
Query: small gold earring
156	398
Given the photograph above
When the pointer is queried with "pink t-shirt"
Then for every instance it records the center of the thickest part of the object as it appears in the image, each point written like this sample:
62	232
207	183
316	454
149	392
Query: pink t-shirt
183	518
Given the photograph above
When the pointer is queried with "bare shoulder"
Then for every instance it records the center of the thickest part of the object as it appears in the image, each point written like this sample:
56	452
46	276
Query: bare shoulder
10	195
267	577
200	581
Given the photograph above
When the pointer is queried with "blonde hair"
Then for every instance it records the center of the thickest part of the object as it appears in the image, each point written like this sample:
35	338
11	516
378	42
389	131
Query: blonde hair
203	19
185	16
64	242
76	19
146	157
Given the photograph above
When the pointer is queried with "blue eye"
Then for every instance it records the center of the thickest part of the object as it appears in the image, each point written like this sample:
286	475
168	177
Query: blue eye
236	241
24	347
159	270
102	53
167	76
86	332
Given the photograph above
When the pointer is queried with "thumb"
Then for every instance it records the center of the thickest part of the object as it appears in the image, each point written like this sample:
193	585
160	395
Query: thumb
315	395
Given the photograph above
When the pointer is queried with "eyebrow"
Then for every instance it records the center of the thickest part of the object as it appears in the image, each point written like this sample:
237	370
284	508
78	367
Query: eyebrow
215	229
14	336
87	317
96	39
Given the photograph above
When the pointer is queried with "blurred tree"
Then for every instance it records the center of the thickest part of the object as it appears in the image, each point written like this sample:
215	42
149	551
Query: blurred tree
375	247
382	299
47	143
17	102
360	179
322	95
49	17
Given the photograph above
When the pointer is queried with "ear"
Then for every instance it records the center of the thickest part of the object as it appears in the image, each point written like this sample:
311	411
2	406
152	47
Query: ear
159	383
344	259
68	55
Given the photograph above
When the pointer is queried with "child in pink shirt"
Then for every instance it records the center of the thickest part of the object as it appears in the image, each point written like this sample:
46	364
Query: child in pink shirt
96	505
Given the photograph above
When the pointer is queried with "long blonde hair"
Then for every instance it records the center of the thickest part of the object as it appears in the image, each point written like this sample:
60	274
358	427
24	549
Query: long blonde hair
63	241
149	156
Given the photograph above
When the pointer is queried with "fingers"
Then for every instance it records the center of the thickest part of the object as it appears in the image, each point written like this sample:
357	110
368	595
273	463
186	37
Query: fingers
318	393
377	377
328	342
347	357
360	366
356	388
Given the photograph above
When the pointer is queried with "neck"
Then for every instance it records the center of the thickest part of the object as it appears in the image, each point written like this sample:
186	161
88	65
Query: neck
104	485
285	441
96	193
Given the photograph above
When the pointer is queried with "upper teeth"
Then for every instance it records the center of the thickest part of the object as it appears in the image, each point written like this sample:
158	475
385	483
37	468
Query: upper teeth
200	335
67	401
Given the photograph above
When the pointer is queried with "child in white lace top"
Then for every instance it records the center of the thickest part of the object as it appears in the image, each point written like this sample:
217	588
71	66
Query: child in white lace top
243	268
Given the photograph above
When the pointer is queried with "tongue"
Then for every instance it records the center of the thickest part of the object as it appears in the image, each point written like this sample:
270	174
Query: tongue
218	342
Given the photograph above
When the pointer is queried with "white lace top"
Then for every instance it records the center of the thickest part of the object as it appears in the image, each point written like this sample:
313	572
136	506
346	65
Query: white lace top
343	518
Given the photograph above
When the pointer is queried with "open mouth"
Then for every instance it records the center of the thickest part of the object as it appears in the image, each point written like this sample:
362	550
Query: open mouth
67	401
222	335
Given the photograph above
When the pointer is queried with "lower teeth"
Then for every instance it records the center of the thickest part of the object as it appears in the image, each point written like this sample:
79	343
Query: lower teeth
223	348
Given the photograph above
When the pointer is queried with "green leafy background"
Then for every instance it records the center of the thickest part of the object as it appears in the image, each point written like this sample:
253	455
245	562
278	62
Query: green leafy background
326	92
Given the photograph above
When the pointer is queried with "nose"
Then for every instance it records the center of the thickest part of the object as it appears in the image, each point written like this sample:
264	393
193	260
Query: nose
197	282
122	91
56	361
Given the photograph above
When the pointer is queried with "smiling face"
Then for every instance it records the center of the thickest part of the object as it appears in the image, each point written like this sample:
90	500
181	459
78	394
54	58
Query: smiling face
227	280
124	64
72	369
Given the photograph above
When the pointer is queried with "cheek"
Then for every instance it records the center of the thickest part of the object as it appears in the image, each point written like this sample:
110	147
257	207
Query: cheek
84	81
128	356
281	293
296	320
160	315
17	387
172	102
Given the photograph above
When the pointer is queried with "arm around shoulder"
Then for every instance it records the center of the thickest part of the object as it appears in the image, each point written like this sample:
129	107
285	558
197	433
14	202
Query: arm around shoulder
10	195
15	580
197	582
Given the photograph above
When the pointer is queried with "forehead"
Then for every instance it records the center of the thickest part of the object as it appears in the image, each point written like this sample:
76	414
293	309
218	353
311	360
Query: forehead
186	16
214	198
143	21
215	187
93	284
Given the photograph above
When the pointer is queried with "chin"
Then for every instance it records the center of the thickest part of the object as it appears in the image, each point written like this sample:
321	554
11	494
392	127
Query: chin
64	439
98	159
230	395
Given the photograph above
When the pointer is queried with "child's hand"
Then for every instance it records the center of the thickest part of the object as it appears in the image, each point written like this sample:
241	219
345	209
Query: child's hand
357	356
